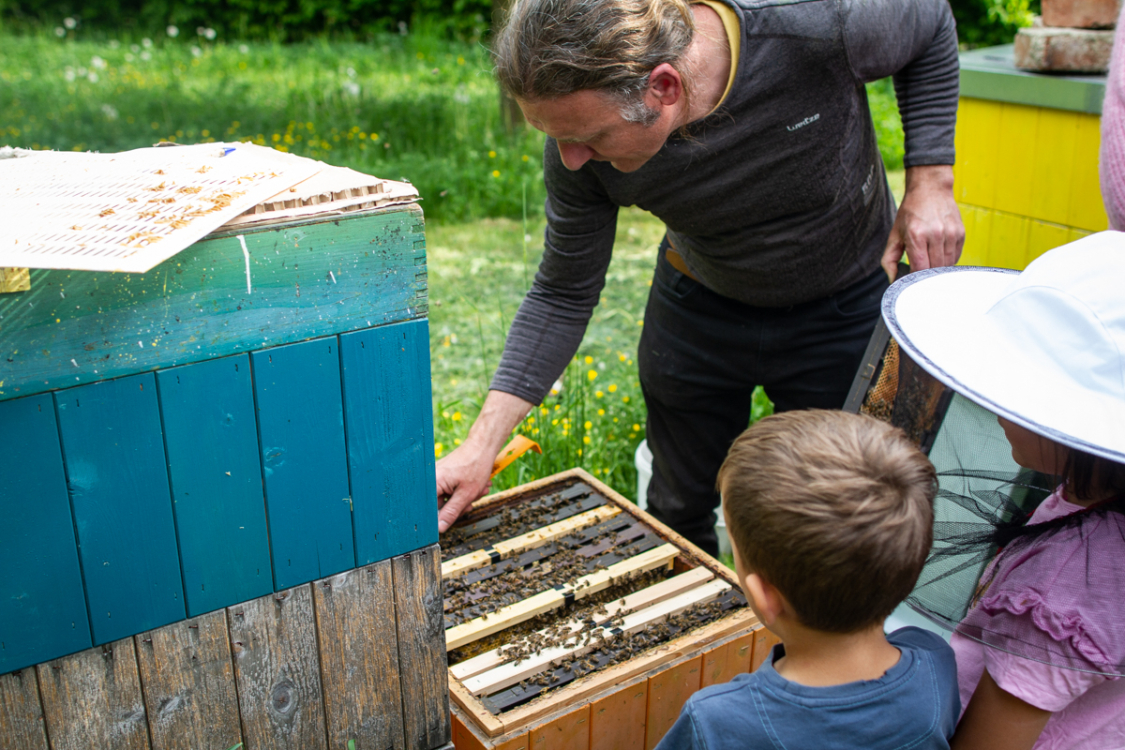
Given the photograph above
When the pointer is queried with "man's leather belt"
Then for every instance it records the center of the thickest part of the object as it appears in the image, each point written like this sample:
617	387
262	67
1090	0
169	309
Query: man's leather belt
677	262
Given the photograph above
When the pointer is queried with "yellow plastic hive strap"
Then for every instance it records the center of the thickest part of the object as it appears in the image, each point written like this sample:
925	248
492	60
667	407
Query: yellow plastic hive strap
513	450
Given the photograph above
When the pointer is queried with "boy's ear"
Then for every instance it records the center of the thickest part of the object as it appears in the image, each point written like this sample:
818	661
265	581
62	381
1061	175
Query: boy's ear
767	600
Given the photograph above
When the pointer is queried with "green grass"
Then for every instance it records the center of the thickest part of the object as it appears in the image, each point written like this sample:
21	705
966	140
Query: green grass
402	107
405	107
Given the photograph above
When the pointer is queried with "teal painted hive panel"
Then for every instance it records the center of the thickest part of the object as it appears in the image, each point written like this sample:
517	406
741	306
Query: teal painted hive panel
172	450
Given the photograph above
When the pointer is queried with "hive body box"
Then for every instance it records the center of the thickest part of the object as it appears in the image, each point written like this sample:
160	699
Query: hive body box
218	497
629	705
1026	176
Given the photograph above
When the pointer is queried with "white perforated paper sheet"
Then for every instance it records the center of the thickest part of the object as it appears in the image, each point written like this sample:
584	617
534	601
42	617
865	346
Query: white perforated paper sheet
132	210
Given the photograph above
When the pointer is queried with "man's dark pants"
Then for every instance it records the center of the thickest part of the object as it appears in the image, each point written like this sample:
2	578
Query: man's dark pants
700	357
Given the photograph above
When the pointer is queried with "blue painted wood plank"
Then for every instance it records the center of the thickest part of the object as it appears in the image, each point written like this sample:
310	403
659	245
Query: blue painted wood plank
307	278
118	482
42	604
304	461
388	412
211	440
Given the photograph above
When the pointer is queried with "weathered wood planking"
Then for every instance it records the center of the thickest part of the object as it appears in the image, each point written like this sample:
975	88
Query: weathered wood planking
188	681
306	279
21	718
42	605
617	721
93	699
389	420
421	646
668	691
359	666
211	439
277	668
568	732
304	461
118	482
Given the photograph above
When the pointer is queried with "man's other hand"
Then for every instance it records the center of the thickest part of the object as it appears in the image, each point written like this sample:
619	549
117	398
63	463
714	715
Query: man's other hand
928	228
462	478
464	475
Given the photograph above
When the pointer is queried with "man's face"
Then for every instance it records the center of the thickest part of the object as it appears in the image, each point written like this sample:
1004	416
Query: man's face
588	126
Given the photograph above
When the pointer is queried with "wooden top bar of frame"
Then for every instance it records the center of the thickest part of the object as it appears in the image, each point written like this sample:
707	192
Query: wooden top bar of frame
513	614
534	538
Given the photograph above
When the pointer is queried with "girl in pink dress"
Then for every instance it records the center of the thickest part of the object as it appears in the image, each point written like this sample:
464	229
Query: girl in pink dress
1041	650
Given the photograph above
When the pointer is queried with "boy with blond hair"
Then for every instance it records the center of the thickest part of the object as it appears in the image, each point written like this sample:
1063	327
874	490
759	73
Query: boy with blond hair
831	519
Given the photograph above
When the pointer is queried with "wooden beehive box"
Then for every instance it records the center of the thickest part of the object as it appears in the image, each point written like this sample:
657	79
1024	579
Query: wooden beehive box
217	492
630	704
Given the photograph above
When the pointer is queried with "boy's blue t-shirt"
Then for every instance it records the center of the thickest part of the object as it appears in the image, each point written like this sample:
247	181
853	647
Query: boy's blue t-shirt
913	706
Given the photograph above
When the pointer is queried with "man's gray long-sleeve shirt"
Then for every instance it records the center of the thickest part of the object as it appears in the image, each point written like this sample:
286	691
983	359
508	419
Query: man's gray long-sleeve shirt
778	197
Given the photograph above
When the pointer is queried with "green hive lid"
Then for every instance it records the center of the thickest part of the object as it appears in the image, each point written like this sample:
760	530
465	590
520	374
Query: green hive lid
991	73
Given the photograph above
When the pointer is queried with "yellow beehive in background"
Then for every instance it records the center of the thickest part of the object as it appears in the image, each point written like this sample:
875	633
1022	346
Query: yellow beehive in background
1026	176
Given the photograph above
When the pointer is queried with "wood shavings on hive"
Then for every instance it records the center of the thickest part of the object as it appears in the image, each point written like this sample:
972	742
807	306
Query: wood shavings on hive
132	210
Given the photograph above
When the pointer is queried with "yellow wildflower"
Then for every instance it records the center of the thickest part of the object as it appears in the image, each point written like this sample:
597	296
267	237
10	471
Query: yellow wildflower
592	375
612	388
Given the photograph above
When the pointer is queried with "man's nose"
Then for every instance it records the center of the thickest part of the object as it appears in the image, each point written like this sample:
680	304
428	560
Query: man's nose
574	155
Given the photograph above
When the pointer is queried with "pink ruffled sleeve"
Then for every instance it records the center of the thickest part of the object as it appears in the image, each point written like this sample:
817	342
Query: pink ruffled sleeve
1112	167
1042	685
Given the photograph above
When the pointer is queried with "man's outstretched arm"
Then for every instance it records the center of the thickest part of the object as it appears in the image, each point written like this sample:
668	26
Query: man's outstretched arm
463	475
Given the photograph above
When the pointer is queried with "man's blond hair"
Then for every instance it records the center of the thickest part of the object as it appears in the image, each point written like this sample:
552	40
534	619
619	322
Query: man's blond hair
834	509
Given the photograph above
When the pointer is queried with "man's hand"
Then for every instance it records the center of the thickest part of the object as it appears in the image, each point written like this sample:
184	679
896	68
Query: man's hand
464	475
928	227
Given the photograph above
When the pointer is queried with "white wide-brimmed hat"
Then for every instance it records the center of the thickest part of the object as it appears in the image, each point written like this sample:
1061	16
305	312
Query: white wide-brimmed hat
1044	348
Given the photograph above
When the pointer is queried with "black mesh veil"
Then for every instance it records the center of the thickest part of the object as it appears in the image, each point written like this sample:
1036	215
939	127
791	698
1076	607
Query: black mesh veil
983	506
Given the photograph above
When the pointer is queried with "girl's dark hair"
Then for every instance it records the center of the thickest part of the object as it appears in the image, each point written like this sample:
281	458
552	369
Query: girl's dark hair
1087	477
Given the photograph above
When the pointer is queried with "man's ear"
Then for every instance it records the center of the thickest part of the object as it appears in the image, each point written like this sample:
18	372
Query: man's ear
665	86
768	602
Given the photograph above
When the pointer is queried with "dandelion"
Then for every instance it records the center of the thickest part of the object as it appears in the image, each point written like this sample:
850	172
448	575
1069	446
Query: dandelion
585	439
445	415
601	412
70	23
146	43
554	422
624	399
491	154
109	111
579	451
456	441
526	157
196	51
60	32
588	425
544	411
438	448
598	394
351	88
92	77
531	419
146	55
496	173
172	31
620	357
210	34
69	75
456	416
592	375
589	360
460	60
636	428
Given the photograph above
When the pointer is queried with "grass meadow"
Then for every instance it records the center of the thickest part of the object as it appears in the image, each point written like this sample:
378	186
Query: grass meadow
414	107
